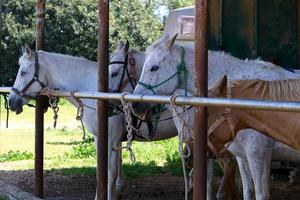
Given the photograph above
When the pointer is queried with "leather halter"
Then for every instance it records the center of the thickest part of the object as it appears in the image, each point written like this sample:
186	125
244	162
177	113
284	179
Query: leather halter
34	79
131	72
226	117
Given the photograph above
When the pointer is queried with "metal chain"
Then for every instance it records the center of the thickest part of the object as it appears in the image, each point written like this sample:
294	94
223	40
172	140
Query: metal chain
127	108
181	136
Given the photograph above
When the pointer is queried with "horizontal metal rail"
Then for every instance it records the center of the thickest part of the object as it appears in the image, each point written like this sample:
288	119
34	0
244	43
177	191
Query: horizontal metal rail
287	106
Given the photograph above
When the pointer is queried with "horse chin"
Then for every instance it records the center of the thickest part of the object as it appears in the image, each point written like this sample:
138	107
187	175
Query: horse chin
142	110
20	110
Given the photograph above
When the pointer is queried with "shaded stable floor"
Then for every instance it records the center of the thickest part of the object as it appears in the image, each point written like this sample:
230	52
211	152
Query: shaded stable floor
161	187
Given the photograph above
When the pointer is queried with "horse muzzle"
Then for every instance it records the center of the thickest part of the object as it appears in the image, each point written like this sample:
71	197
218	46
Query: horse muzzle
141	110
15	104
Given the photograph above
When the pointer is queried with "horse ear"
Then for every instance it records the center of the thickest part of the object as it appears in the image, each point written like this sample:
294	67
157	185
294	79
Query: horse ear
219	89
121	45
23	49
28	51
126	47
169	43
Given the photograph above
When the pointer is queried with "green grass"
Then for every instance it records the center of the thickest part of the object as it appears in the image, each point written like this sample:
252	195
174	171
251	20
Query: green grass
15	155
66	153
3	198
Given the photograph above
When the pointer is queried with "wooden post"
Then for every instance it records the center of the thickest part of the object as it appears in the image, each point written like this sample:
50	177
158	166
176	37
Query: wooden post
200	143
39	107
102	105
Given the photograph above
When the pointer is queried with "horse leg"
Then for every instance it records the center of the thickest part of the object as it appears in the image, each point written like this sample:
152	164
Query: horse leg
248	187
116	129
121	176
260	164
227	187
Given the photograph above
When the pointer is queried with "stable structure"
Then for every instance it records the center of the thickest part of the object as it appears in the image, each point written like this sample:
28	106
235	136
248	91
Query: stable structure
201	45
267	29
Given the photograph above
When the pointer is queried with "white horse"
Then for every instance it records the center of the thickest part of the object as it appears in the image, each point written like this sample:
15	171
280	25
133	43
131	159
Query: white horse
163	74
72	73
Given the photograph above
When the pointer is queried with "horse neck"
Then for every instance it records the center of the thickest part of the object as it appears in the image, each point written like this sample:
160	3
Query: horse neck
189	64
281	126
220	64
67	73
222	133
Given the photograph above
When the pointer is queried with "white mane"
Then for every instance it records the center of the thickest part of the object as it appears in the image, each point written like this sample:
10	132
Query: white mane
70	59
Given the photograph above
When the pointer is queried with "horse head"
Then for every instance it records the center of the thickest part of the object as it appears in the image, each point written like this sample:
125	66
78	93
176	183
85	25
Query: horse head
29	81
118	69
162	72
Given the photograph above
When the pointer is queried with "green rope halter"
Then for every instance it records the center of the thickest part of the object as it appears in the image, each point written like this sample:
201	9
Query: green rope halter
181	68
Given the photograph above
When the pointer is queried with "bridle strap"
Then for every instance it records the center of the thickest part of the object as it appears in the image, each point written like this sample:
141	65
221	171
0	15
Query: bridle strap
35	78
131	74
224	118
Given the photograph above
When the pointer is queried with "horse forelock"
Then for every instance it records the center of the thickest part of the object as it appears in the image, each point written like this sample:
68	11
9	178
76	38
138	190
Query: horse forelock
152	46
134	50
288	89
156	44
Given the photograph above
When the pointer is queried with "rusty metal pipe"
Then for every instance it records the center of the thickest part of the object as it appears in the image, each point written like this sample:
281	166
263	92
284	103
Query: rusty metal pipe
285	106
102	105
39	109
200	138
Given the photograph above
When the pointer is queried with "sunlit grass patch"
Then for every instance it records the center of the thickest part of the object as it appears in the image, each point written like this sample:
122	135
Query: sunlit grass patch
16	155
65	152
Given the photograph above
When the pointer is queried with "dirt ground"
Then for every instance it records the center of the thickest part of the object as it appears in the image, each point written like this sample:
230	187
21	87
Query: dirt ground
159	187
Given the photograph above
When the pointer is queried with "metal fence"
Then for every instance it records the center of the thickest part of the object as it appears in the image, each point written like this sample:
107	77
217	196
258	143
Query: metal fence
286	106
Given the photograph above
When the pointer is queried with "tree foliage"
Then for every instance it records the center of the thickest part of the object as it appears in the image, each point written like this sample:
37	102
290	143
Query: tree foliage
72	26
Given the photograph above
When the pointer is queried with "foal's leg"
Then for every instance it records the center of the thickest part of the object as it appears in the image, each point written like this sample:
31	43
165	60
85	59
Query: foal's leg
248	187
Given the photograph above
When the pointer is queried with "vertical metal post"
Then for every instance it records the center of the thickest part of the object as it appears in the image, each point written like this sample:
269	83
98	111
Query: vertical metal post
40	106
200	143
102	106
1	21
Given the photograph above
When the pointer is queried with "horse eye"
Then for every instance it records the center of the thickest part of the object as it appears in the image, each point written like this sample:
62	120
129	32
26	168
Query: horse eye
154	68
23	73
114	74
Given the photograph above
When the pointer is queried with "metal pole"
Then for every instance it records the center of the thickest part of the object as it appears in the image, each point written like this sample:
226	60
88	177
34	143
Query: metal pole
200	140
281	106
39	107
102	105
1	15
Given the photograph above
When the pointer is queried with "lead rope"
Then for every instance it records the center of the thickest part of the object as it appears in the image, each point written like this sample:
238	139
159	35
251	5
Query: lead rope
80	111
181	136
53	102
6	108
127	108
